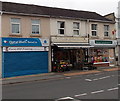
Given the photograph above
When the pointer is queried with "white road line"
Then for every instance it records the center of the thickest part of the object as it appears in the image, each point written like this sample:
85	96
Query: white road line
65	98
88	79
81	94
113	75
112	89
68	77
104	77
95	92
95	79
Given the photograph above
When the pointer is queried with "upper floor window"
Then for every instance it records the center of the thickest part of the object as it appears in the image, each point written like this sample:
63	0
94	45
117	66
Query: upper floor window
94	29
15	25
35	26
106	30
75	28
61	27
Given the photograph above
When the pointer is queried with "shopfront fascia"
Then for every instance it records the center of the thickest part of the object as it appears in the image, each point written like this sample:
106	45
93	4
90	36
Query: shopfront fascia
103	53
24	56
70	50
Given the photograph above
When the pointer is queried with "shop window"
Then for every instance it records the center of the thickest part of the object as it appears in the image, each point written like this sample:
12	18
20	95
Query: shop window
15	25
35	26
99	55
94	29
75	28
106	30
61	27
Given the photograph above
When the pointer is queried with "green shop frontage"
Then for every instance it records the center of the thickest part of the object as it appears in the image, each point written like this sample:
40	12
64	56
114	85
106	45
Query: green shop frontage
103	52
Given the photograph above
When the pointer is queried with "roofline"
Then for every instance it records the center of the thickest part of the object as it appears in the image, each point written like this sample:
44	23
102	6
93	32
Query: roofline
48	6
49	16
25	14
101	21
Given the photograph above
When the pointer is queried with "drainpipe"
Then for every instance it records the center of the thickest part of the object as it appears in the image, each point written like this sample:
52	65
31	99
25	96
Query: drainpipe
0	44
88	36
0	55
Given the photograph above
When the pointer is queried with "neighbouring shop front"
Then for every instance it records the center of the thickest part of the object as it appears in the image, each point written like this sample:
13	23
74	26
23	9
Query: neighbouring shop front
24	56
67	54
118	52
103	53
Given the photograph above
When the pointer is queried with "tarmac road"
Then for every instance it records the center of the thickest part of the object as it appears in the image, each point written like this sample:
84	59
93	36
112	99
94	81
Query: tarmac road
101	85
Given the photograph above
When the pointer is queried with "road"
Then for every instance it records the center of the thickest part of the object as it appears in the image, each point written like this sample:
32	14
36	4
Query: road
103	85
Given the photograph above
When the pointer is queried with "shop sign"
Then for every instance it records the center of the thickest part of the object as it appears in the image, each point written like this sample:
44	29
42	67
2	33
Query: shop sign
102	42
14	49
25	42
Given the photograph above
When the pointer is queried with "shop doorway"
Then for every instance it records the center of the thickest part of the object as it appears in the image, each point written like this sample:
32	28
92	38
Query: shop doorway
73	58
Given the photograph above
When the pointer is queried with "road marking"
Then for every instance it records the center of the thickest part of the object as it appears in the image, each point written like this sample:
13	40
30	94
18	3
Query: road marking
113	75
95	92
104	77
95	79
68	77
112	89
81	94
88	80
65	98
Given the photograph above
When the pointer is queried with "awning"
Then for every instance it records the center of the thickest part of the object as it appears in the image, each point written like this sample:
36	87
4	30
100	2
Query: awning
72	45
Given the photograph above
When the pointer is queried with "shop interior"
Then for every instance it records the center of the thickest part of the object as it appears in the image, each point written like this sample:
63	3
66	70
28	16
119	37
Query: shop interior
70	58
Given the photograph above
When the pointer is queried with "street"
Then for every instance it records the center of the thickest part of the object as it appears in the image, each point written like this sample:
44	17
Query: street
103	85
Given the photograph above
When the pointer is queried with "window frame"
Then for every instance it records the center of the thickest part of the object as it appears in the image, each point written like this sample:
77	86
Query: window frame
33	24
76	29
58	27
15	23
94	30
106	30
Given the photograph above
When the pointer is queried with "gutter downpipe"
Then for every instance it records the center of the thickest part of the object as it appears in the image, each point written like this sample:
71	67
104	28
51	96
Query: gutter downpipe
88	36
1	55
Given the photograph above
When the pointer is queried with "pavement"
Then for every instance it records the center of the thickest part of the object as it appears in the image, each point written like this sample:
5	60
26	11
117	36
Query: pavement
54	75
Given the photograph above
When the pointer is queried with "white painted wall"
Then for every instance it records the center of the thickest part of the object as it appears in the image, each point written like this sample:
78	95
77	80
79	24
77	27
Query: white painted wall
68	27
85	28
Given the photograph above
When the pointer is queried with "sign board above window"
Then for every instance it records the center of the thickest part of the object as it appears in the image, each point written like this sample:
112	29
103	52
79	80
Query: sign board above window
23	42
103	42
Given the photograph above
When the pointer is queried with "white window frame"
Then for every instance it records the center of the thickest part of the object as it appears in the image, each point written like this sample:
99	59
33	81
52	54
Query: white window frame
94	30
18	23
58	22
106	30
32	24
76	29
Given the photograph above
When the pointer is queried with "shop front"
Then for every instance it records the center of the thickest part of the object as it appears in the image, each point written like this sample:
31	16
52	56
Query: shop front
24	56
68	53
103	53
118	51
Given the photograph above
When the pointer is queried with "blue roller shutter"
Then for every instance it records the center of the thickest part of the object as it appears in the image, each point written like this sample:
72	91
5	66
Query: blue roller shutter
24	63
